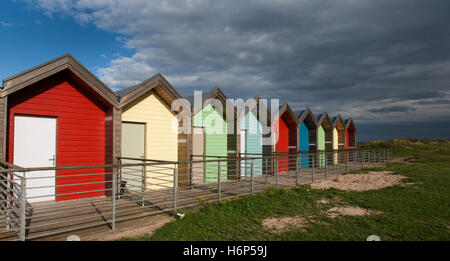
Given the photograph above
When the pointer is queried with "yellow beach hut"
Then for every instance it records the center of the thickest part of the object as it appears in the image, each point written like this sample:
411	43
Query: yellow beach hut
148	133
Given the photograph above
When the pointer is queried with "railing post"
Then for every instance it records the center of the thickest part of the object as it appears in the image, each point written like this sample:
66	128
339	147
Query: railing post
218	181
143	184
238	167
326	165
362	159
374	157
297	169
23	205
276	174
251	177
175	191
114	180
8	201
300	169
318	161
382	157
338	163
191	179
119	177
267	171
346	162
353	159
368	158
377	153
313	163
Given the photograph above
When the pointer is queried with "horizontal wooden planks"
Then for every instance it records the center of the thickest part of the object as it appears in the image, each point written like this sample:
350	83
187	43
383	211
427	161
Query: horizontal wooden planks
81	130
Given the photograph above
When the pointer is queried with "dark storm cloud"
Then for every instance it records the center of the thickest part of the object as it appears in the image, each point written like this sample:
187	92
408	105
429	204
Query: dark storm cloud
434	102
392	109
354	57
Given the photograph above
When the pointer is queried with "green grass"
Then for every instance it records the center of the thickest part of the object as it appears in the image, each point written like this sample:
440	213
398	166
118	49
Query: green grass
414	212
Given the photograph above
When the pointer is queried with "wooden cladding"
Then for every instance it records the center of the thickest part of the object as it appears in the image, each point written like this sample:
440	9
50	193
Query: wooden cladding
84	129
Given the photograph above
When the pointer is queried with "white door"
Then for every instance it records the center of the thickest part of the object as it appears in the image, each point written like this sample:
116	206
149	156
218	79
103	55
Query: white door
243	150
133	146
35	146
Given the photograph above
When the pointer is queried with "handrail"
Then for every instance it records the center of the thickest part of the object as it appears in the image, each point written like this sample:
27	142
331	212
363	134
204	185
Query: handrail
170	162
141	159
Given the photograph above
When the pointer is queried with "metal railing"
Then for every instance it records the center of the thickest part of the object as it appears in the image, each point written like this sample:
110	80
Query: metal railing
38	203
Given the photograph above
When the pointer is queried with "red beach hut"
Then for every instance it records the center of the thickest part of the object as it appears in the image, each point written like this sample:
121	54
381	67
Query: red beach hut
59	114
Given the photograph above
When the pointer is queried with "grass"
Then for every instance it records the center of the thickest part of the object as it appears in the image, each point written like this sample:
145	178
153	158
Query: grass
414	212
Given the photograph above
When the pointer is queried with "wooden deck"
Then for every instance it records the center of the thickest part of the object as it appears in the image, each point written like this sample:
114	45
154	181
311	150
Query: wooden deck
84	217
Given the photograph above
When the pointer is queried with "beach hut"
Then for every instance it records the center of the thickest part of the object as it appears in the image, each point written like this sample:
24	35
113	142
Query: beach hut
350	134
148	133
338	135
307	135
350	138
252	135
59	114
324	136
286	129
214	137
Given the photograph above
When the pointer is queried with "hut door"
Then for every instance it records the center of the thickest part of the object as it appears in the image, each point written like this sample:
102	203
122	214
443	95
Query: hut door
198	150
133	146
243	151
35	146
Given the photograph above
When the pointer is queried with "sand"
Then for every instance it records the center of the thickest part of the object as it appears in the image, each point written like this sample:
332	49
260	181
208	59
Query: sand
280	225
361	182
350	211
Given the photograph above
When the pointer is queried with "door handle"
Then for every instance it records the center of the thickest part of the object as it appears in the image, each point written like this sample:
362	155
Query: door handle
53	160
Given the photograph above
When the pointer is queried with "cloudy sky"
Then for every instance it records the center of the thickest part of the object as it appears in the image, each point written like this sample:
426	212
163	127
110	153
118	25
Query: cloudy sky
385	63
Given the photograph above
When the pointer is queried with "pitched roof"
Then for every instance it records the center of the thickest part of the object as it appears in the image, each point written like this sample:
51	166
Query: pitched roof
286	108
322	117
251	107
214	93
349	121
301	116
156	83
127	90
65	62
336	119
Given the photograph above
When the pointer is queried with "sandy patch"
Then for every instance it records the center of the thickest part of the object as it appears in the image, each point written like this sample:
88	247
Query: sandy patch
279	225
323	201
350	211
133	231
361	182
